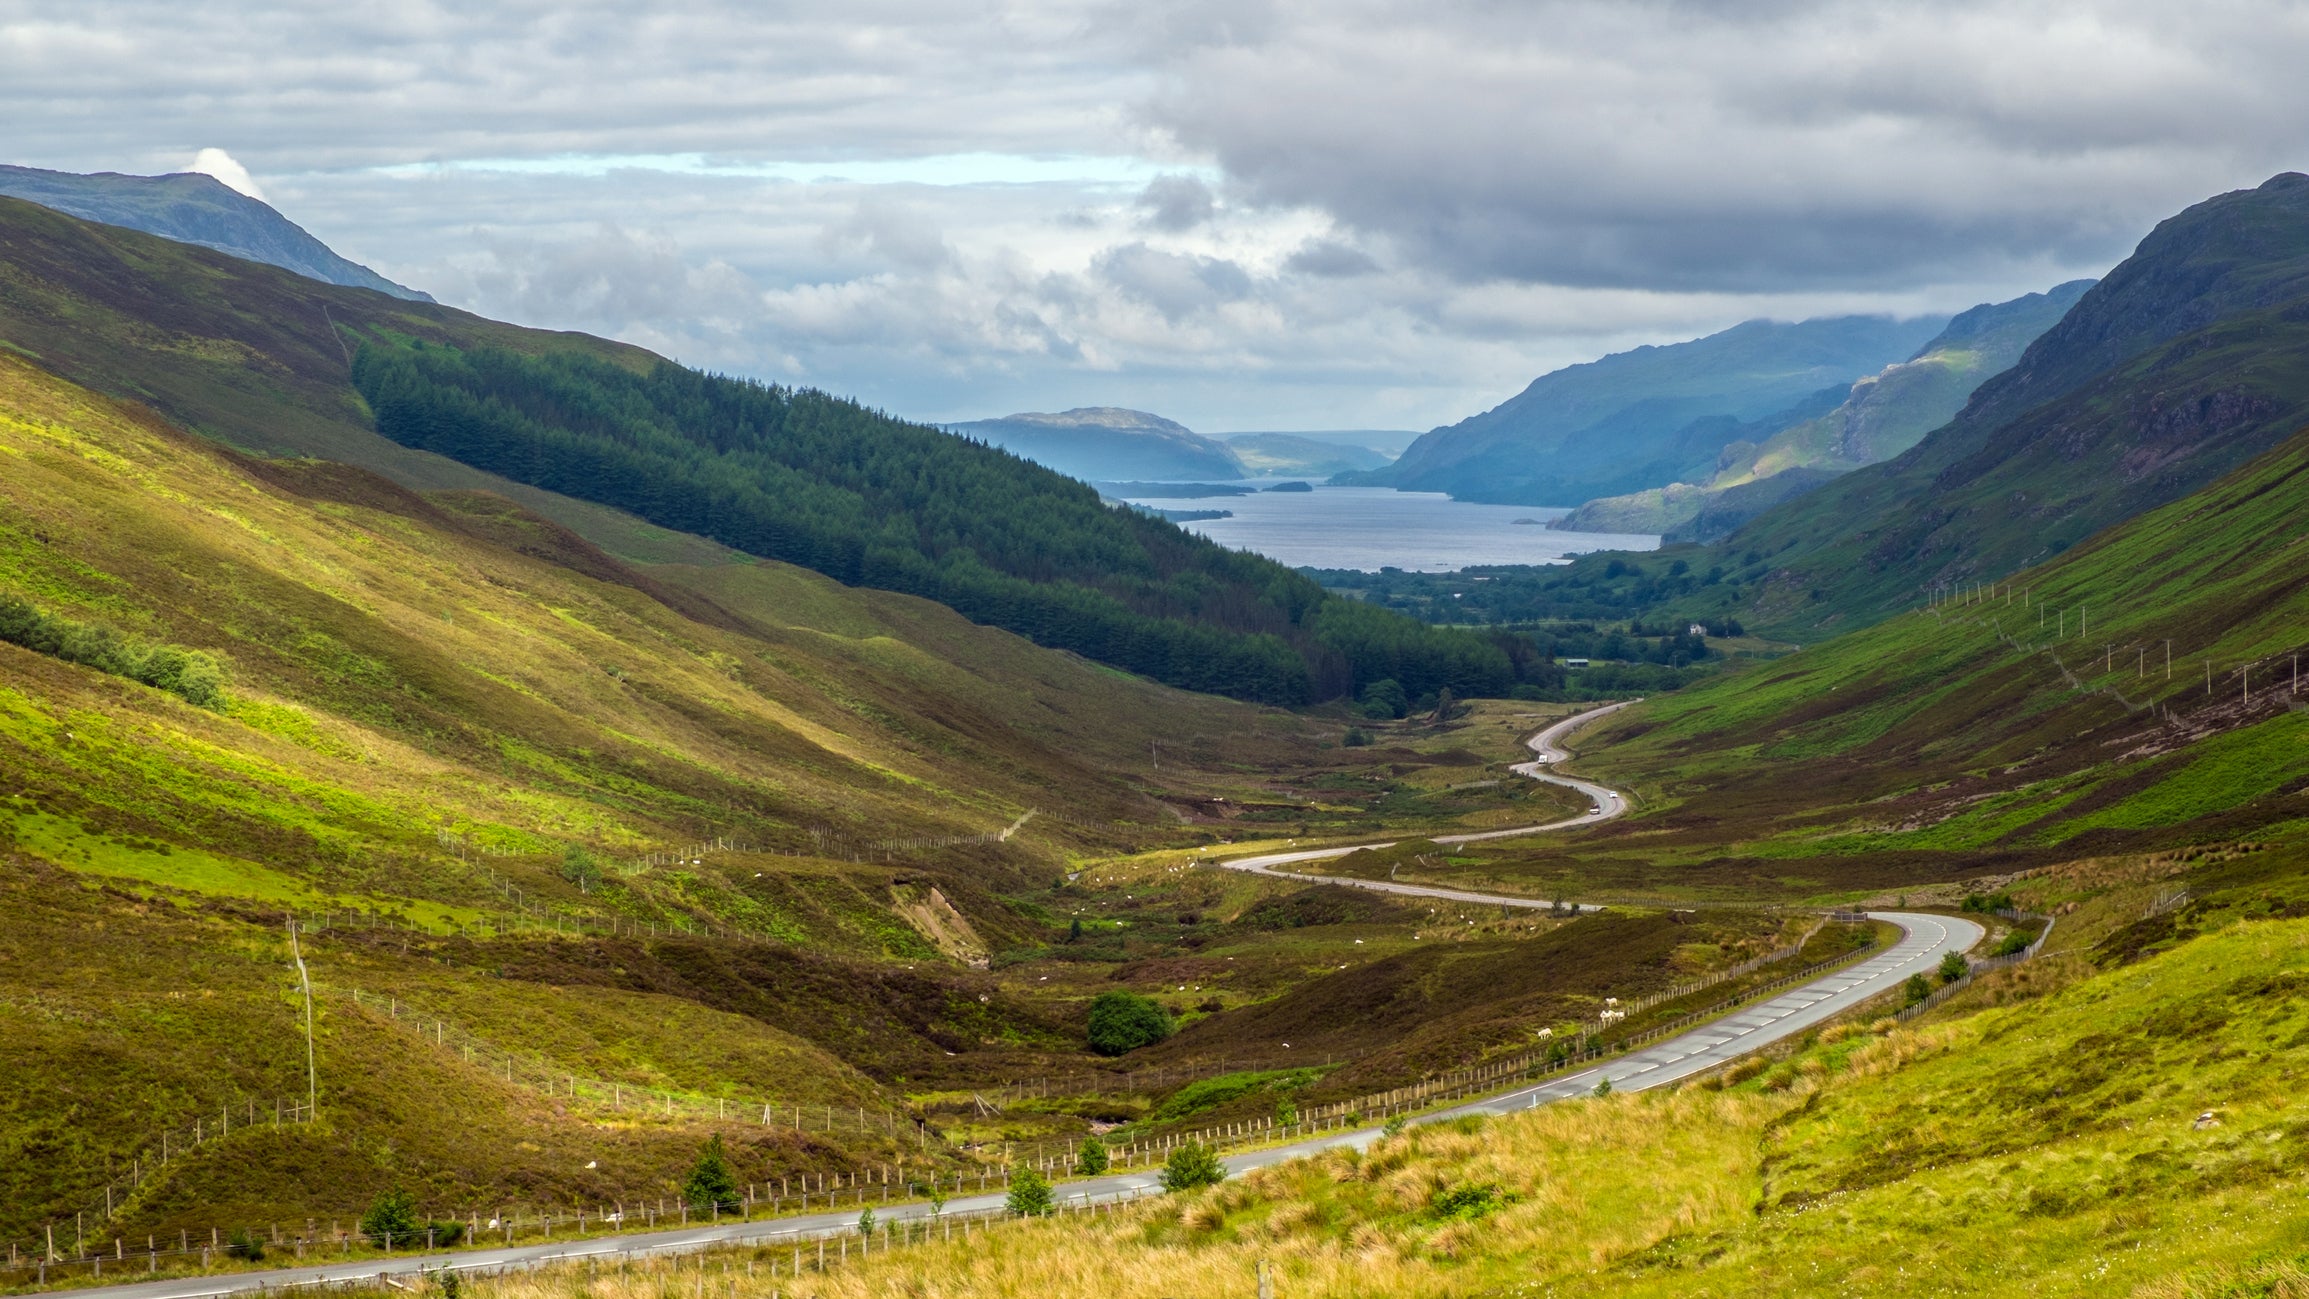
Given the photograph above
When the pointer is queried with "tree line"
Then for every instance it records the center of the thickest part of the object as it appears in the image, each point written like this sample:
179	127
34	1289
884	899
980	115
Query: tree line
870	500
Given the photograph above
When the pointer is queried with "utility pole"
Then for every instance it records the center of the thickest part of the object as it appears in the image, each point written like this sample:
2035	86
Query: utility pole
312	1077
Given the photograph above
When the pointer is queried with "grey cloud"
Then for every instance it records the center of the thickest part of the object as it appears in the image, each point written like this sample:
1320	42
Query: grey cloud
1330	259
1734	148
1177	203
1175	284
1426	203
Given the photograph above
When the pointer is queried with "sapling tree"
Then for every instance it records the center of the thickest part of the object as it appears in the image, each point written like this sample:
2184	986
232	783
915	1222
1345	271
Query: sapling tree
1029	1195
711	1187
1193	1165
1092	1159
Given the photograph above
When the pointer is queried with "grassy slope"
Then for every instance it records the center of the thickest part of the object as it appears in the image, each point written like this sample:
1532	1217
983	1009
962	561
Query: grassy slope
402	667
2041	1137
1945	743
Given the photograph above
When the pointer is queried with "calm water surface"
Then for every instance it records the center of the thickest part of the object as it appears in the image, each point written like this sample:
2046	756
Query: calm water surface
1371	528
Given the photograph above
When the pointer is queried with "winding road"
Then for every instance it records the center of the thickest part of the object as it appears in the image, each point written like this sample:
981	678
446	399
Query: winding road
1605	802
1924	940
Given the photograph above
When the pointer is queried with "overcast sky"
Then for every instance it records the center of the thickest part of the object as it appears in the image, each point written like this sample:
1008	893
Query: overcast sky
1360	213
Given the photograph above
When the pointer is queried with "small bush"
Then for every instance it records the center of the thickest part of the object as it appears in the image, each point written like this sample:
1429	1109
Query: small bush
244	1246
1916	989
1029	1195
1394	1126
1358	738
1602	1088
392	1222
1953	967
1122	1022
1092	1159
1192	1166
1986	902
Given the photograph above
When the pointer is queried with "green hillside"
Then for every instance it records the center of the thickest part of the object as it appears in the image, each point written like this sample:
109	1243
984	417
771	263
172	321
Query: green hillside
2027	723
265	360
2186	361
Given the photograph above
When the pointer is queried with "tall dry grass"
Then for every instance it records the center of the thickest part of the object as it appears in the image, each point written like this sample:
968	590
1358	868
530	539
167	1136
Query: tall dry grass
1579	1186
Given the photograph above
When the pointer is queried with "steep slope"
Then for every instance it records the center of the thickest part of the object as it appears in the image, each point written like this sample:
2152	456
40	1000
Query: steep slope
2188	359
1648	417
1884	415
2137	693
1108	444
263	359
196	209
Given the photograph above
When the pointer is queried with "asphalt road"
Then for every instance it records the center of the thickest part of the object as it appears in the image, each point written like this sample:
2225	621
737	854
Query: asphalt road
1924	940
1605	802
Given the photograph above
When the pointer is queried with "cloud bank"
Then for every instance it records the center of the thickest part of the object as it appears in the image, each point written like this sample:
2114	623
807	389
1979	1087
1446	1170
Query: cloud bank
1261	213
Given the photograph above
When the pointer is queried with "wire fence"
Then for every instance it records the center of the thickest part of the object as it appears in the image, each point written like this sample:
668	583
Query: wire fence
368	1263
533	1070
1987	964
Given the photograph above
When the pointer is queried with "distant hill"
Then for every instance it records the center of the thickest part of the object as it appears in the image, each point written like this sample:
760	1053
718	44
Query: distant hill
2191	357
1883	415
1107	443
1297	453
1652	416
195	209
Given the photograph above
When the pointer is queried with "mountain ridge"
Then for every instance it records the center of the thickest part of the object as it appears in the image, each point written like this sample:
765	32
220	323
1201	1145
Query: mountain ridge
2186	360
1108	444
194	208
1884	414
1648	416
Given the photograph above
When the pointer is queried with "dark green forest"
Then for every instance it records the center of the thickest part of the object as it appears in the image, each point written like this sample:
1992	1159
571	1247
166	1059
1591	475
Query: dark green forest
869	500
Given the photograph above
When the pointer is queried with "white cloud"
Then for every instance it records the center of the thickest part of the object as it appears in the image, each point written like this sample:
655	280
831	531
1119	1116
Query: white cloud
218	163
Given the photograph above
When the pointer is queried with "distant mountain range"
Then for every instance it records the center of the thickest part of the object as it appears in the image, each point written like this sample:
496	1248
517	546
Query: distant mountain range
2187	360
195	209
1108	444
1880	417
1317	456
1652	416
1102	443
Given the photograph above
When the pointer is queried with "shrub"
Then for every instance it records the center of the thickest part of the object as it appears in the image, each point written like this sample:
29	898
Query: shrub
866	1223
1191	1166
1953	967
1122	1022
579	868
1358	738
711	1187
391	1222
244	1246
1916	989
1602	1088
1092	1159
1466	1200
1029	1195
1394	1126
2014	942
187	674
1989	902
